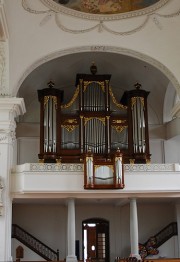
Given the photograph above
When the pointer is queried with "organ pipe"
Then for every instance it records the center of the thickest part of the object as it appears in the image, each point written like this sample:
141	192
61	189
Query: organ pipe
118	168
50	99
138	134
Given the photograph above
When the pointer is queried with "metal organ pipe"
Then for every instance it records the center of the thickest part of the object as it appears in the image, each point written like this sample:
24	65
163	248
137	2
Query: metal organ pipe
138	125
50	125
108	138
93	126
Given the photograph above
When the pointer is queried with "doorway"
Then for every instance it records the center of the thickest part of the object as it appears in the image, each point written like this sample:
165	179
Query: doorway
95	239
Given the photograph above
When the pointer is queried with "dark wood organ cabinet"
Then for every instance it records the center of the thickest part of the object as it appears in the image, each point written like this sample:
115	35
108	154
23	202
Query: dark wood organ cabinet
94	125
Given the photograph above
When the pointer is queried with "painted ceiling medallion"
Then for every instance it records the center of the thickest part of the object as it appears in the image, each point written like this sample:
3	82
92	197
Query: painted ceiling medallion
105	9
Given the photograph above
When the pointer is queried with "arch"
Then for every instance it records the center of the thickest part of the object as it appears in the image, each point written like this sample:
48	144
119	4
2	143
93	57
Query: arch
105	49
169	103
95	239
95	220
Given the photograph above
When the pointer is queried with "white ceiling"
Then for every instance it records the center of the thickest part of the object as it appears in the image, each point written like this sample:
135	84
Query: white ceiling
125	71
95	201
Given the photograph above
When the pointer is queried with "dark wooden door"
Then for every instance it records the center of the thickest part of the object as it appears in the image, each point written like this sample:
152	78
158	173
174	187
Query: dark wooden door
97	239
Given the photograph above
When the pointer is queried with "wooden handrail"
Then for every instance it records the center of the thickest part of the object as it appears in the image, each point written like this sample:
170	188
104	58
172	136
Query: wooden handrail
34	244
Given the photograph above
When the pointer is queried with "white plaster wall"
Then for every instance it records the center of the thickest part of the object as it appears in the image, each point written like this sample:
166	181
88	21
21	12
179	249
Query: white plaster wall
157	151
45	222
28	150
48	223
29	255
172	150
30	41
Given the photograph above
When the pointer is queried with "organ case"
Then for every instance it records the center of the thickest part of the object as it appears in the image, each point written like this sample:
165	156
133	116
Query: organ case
95	123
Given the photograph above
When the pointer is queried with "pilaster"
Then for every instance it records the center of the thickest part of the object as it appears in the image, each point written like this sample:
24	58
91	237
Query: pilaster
10	108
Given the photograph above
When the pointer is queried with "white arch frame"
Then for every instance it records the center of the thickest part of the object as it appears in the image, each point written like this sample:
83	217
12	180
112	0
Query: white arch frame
105	49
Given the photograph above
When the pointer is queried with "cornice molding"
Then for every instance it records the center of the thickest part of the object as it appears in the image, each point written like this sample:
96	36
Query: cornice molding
14	105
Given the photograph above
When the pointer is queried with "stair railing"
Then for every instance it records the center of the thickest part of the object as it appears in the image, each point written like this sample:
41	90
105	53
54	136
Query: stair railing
166	233
34	244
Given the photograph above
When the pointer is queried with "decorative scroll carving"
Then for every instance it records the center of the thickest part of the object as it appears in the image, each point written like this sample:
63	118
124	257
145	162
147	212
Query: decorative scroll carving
134	100
115	101
119	129
72	100
86	83
102	119
70	124
7	136
46	99
69	128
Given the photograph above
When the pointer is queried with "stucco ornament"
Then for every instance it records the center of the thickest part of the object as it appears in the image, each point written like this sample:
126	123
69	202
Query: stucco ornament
100	22
7	136
3	70
1	200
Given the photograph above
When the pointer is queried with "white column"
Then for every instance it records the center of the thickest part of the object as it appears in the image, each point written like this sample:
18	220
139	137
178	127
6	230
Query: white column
9	109
71	257
134	229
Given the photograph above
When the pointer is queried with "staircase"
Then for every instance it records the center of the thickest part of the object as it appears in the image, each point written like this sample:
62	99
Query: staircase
34	244
150	247
166	233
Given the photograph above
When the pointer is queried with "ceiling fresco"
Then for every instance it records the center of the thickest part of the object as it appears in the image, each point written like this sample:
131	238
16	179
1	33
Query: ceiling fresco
106	6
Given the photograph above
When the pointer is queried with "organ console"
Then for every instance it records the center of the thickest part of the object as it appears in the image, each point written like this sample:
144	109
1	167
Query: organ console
95	128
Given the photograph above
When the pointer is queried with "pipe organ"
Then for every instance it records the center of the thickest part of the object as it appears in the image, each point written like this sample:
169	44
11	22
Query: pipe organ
138	137
96	128
50	100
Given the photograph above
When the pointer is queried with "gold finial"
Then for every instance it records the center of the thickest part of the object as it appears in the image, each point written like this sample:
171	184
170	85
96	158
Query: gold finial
93	68
51	84
137	86
118	150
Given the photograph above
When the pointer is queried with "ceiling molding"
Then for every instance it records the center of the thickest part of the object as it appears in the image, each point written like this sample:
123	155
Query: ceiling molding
58	8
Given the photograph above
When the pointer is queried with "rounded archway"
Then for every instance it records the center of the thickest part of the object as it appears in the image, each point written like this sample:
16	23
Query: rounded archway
95	239
125	66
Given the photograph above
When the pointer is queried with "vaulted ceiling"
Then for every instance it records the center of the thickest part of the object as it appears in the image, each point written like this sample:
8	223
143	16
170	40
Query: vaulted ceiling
125	71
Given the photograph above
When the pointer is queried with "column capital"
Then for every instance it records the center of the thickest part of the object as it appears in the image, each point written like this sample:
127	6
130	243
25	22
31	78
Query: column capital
12	104
10	108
